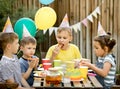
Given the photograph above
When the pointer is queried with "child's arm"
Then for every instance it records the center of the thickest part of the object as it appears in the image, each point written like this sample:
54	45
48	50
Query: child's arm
102	72
32	64
55	52
24	83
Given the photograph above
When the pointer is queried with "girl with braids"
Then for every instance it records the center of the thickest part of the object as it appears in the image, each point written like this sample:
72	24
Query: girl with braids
105	67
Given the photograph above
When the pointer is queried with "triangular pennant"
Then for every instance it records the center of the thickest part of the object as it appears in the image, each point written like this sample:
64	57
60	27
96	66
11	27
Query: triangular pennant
55	29
8	26
101	30
79	26
65	22
98	10
94	13
84	21
51	31
25	32
44	31
89	17
75	28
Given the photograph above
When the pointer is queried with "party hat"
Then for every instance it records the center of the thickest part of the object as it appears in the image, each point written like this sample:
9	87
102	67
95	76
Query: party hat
8	26
101	31
65	22
25	31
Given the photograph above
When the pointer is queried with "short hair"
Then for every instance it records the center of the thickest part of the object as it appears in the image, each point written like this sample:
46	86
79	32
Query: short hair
27	40
68	29
106	40
6	38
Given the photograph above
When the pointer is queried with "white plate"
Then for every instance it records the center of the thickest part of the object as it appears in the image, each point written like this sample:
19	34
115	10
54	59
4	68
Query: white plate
41	69
90	70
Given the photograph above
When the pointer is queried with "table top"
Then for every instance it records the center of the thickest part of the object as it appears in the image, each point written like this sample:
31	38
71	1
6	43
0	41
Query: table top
90	83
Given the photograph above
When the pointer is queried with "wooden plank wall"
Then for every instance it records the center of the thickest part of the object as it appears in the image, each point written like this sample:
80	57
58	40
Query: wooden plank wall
78	10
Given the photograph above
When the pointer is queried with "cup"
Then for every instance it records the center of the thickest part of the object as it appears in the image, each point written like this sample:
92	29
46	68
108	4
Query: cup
83	71
45	60
57	63
47	65
70	64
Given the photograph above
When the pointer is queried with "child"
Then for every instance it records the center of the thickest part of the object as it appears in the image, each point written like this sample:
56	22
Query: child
9	64
105	65
64	50
28	61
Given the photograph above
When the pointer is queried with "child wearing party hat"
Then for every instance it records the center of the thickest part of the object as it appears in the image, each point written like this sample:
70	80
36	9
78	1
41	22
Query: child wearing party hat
105	67
64	50
28	61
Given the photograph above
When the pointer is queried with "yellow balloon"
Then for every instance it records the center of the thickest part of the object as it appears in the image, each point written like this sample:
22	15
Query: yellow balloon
45	18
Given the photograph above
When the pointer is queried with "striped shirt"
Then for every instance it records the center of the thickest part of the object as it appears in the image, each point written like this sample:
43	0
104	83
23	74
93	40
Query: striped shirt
109	79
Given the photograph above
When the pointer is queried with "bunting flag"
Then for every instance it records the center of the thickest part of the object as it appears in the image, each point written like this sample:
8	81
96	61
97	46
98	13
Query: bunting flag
94	13
8	26
89	17
101	30
97	10
55	29
51	31
78	26
65	22
25	31
44	31
85	22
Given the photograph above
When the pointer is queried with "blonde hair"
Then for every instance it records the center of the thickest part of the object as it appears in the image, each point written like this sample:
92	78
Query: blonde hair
67	29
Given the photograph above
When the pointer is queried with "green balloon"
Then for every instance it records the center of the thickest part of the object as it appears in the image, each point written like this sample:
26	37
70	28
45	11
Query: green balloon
30	25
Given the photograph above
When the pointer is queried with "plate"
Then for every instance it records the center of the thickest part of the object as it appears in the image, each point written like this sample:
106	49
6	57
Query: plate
91	74
89	70
41	69
78	80
40	74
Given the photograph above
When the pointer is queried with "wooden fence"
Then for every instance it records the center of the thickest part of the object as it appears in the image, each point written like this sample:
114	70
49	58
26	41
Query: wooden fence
78	10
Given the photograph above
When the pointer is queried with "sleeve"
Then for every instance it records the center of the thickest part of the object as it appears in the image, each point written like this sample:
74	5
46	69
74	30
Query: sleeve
110	59
22	66
7	72
49	52
77	52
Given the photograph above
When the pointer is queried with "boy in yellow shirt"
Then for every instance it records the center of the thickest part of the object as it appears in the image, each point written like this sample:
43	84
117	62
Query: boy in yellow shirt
63	50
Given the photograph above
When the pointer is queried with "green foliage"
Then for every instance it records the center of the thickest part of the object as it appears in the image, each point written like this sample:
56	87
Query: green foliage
7	8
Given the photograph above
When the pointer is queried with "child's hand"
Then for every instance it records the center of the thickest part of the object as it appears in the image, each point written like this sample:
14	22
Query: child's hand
36	59
37	62
84	63
56	50
32	63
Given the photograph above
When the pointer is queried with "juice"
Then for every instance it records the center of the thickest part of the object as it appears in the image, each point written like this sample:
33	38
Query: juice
53	79
53	76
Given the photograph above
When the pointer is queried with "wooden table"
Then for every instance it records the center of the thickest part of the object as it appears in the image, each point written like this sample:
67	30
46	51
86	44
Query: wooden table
90	83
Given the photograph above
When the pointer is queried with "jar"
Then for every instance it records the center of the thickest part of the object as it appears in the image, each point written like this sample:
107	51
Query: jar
53	76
